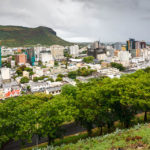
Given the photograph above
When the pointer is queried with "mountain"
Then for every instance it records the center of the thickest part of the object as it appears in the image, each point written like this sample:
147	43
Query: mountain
23	36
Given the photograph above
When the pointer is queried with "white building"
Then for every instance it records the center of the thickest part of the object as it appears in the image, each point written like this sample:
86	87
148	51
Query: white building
6	51
43	86
37	50
5	72
74	51
145	53
38	71
12	64
47	59
110	72
124	57
57	51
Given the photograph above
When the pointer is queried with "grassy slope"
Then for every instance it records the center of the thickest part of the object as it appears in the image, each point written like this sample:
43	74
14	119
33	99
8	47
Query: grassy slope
22	36
131	139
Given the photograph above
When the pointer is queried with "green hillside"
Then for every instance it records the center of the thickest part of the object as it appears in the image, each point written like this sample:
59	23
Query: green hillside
131	139
23	36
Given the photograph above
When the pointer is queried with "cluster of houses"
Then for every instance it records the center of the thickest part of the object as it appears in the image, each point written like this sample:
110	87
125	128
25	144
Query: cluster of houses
42	61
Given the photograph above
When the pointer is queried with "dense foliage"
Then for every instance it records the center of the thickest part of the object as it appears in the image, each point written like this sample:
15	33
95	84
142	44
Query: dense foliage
81	72
20	70
24	80
88	59
118	66
98	103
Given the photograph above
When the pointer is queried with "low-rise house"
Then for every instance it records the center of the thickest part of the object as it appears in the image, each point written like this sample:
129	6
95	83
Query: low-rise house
53	90
43	86
11	89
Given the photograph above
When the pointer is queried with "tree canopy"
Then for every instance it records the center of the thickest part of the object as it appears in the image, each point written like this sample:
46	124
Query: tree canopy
98	103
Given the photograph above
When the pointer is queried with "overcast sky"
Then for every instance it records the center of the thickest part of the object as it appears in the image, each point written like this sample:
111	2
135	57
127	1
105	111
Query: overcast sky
82	20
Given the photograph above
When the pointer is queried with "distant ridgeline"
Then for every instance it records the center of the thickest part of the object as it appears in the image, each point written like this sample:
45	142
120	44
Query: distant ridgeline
14	36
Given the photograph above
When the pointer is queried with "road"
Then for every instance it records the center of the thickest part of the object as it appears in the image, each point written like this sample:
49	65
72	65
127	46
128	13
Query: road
70	129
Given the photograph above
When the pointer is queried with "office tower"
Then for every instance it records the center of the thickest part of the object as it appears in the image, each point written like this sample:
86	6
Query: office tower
130	44
137	45
143	45
117	46
30	56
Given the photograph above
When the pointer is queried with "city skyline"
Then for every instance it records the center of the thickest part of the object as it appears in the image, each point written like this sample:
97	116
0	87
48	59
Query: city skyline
82	21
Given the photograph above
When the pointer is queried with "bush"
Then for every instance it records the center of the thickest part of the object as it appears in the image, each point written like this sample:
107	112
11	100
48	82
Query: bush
59	79
72	74
24	80
88	59
118	66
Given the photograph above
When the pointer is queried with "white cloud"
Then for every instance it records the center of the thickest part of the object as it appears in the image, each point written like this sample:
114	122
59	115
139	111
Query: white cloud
82	20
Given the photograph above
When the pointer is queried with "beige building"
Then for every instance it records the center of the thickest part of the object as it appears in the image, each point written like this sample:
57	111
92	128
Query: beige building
101	57
57	51
1	93
25	74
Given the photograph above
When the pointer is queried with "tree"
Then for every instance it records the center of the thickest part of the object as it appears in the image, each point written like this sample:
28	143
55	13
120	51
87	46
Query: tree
19	72
72	74
8	65
18	117
142	92
60	75
35	79
59	79
52	115
67	55
24	80
28	88
50	79
28	69
85	71
88	59
118	66
56	63
122	99
86	106
69	90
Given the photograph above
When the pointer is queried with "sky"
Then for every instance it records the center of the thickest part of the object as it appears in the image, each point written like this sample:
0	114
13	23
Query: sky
82	20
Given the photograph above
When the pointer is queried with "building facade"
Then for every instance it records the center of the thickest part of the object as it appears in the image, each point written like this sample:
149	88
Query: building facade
57	51
21	59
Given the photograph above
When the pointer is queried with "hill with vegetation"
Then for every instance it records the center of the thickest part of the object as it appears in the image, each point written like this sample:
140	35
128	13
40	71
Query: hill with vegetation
127	139
23	36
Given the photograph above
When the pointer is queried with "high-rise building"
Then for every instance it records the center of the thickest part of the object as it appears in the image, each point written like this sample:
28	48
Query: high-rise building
117	46
30	56
96	49
137	45
143	44
74	51
96	45
21	59
130	44
57	52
